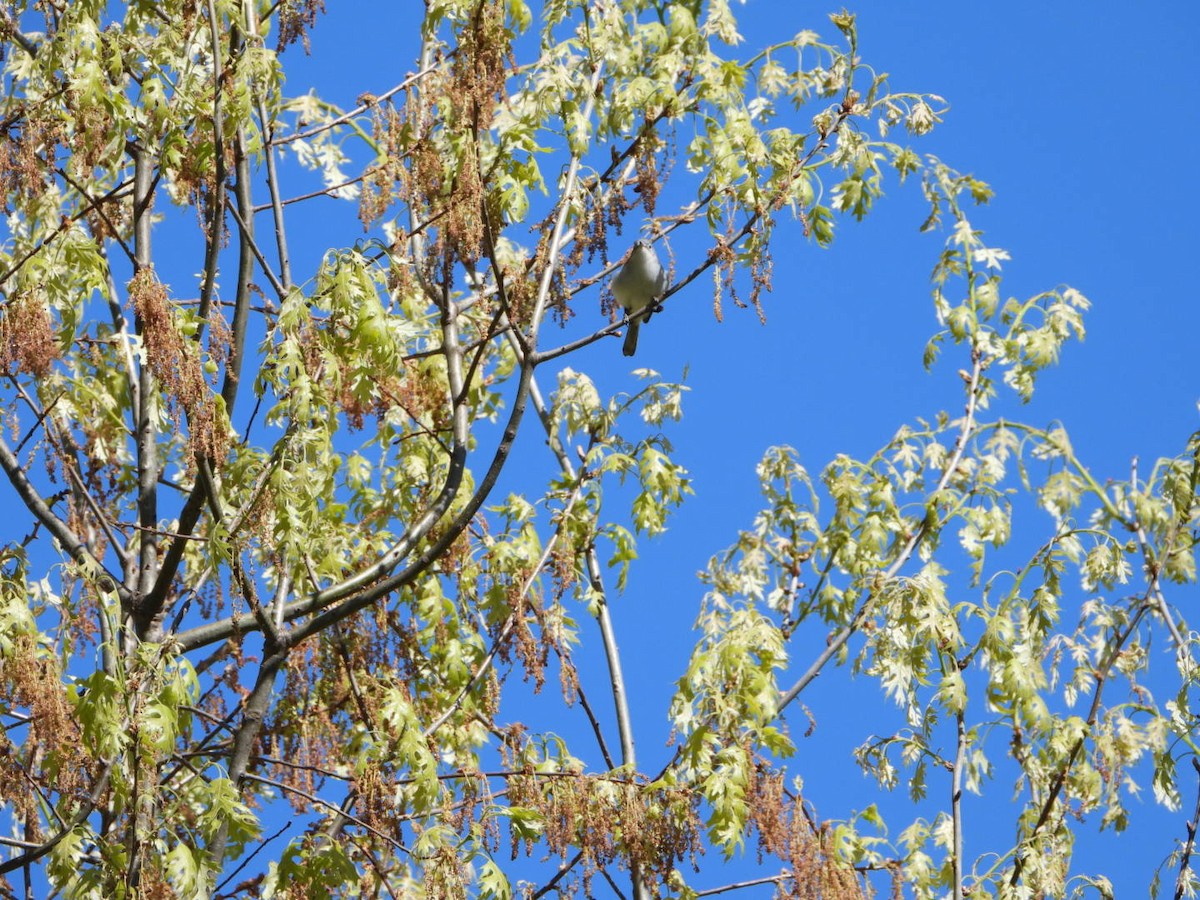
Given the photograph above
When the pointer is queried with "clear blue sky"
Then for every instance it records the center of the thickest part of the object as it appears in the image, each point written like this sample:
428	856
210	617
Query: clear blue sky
1083	118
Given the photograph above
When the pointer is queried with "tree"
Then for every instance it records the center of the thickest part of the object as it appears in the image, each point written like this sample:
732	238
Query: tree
269	553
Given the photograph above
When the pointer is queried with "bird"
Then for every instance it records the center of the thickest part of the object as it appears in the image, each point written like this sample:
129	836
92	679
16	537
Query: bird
638	287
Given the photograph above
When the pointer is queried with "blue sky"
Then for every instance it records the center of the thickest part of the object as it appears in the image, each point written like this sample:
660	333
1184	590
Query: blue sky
1082	118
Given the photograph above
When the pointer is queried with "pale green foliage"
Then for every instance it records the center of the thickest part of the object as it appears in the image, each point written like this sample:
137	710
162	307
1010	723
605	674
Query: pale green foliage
1069	706
579	425
281	550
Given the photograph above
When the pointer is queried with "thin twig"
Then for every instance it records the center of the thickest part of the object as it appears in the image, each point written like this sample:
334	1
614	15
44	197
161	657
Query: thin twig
248	235
357	111
318	801
956	780
262	845
741	885
1183	883
327	191
558	876
267	127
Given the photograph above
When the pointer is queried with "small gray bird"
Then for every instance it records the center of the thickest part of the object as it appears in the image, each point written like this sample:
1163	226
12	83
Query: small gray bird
638	287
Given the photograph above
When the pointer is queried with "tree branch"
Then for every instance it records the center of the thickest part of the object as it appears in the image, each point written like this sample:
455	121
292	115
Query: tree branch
956	781
266	125
1183	884
838	640
144	427
248	252
246	735
70	542
9	25
1103	669
215	232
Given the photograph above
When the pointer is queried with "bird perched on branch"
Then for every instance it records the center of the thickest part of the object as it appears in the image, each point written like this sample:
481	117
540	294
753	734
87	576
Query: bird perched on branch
638	287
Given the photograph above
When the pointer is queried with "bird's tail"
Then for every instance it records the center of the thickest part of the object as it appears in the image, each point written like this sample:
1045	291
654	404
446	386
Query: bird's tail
631	334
